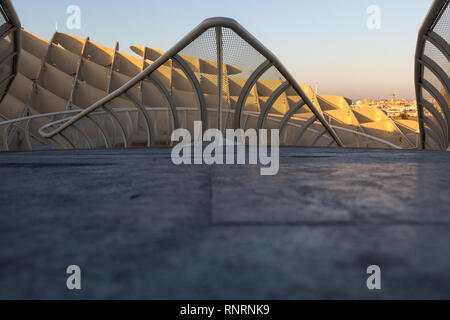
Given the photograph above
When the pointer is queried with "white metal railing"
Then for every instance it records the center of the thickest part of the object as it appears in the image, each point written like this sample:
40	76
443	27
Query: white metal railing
24	124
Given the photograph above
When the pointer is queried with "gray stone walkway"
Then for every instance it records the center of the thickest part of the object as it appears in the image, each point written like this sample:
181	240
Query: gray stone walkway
140	227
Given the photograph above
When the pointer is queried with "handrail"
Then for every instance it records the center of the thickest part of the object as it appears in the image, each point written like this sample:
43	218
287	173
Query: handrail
198	31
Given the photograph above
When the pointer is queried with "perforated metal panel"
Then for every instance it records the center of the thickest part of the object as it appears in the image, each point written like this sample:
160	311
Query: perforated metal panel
10	45
432	77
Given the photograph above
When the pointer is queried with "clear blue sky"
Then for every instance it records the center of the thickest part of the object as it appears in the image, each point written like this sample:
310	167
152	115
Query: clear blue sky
320	41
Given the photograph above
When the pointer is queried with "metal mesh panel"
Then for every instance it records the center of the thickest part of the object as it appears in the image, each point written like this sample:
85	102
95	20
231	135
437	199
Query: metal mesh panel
201	56
437	56
203	47
238	53
428	97
436	133
266	105
217	70
243	60
7	47
2	17
442	26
